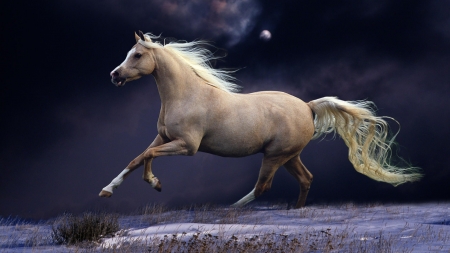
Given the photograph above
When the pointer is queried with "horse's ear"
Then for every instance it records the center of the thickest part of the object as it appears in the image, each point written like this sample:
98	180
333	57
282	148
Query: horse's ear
136	37
142	37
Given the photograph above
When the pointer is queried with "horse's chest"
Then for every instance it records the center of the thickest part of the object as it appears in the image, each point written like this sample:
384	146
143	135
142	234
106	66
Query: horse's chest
164	131
171	128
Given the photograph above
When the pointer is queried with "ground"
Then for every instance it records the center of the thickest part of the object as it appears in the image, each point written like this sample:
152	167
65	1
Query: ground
258	228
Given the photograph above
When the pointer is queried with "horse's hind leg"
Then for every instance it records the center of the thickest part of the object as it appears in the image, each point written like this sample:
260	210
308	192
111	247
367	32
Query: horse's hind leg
296	168
268	168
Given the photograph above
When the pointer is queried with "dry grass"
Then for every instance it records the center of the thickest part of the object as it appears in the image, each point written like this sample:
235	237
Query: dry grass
207	213
310	241
17	232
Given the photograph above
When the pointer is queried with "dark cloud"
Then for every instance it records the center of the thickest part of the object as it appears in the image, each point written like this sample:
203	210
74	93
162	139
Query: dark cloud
228	20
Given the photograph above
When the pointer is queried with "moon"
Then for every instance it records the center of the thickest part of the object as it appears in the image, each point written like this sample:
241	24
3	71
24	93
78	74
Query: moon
265	35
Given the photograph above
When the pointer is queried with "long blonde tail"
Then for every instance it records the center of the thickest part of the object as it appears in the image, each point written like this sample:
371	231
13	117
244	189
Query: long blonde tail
365	135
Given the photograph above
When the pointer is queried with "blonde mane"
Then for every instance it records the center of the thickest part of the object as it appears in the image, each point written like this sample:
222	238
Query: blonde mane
198	58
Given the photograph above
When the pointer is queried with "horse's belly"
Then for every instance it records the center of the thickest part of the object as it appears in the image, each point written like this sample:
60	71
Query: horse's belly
231	148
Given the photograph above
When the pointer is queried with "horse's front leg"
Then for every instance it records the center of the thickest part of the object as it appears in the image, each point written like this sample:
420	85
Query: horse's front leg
148	175
175	147
136	163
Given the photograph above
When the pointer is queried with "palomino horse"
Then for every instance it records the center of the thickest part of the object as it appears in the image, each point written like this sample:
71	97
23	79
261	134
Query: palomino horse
201	112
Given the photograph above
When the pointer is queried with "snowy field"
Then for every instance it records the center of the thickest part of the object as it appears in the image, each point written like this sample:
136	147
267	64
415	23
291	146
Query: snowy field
258	228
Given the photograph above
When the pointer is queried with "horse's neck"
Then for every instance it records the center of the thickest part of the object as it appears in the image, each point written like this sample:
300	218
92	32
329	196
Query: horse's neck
174	78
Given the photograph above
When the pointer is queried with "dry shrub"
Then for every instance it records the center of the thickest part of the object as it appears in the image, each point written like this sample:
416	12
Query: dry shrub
89	227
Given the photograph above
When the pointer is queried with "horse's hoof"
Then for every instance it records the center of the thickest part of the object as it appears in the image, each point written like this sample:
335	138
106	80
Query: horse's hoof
154	182
105	194
158	186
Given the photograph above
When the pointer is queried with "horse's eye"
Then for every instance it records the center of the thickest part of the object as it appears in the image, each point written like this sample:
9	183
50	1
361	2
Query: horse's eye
137	56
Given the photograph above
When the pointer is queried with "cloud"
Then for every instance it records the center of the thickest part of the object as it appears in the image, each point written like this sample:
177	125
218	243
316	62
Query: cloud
230	20
210	18
349	75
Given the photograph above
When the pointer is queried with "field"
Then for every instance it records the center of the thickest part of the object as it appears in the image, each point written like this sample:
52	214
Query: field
261	227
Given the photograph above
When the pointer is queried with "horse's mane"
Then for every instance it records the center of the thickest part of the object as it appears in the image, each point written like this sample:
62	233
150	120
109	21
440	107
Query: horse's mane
198	58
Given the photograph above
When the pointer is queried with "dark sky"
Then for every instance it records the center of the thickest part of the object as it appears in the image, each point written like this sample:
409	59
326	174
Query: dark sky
67	131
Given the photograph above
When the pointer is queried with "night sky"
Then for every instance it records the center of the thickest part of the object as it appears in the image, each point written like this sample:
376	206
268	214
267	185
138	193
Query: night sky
67	131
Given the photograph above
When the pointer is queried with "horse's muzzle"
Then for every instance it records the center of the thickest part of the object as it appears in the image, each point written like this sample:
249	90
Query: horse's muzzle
117	79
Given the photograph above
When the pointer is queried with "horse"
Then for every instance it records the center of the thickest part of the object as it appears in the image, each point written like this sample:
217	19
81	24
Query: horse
201	110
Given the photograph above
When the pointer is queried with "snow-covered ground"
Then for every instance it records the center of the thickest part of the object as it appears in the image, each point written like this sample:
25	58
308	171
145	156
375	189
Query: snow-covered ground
335	228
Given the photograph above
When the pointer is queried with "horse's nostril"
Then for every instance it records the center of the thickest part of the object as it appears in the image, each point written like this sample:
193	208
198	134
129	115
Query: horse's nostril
114	73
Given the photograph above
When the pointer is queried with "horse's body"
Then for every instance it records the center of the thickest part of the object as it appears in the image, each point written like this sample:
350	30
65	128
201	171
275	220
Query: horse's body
199	112
265	120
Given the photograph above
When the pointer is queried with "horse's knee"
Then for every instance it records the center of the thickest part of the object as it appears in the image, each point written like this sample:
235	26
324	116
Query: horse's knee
149	154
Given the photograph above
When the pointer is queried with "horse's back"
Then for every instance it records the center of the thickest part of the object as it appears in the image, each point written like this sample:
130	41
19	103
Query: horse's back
291	118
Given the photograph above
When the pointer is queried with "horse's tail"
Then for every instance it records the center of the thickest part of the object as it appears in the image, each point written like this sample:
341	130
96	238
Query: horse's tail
365	135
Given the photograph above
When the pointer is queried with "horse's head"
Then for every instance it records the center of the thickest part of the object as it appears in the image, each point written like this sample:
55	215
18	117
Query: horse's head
140	61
